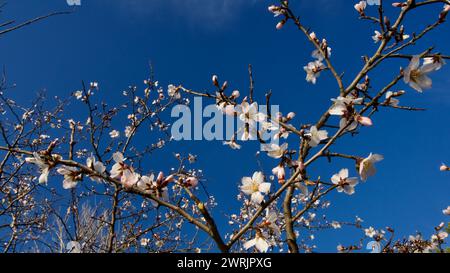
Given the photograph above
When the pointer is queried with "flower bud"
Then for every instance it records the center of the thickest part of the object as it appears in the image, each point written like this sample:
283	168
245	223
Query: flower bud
191	181
224	85
364	121
235	94
281	24
215	80
273	8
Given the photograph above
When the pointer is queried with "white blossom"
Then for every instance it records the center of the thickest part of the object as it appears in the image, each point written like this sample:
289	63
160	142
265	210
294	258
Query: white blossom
313	70
248	113
71	176
336	225
173	92
114	134
274	150
446	211
42	165
392	101
78	94
345	184
316	136
97	166
270	221
258	242
319	56
361	7
119	166
437	60
255	187
148	184
370	232
377	37
367	166
417	77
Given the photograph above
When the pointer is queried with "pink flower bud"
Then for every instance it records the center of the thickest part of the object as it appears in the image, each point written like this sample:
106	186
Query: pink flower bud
192	181
444	168
215	80
272	8
168	179
446	8
236	94
224	85
280	24
365	121
291	115
160	177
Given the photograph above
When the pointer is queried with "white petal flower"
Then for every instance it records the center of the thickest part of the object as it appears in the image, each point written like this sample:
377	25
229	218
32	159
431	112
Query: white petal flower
377	37
173	92
341	105
259	243
274	150
370	232
280	173
316	136
367	166
42	165
446	211
392	101
336	225
417	77
129	178
438	60
255	187
345	184
114	134
248	113
78	95
361	7
71	177
119	166
97	166
270	221
319	56
313	70
148	184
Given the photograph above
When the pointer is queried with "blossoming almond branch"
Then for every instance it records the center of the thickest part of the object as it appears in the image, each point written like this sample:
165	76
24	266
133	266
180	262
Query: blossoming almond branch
260	225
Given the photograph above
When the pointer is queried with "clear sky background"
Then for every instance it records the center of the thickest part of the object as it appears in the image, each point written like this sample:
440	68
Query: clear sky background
112	42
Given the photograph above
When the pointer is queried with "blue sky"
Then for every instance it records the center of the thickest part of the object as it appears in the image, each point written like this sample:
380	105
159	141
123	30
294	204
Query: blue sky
113	41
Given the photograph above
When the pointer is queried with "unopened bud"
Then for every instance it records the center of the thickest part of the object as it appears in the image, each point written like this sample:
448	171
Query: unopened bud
192	182
281	24
235	94
364	121
215	80
224	85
